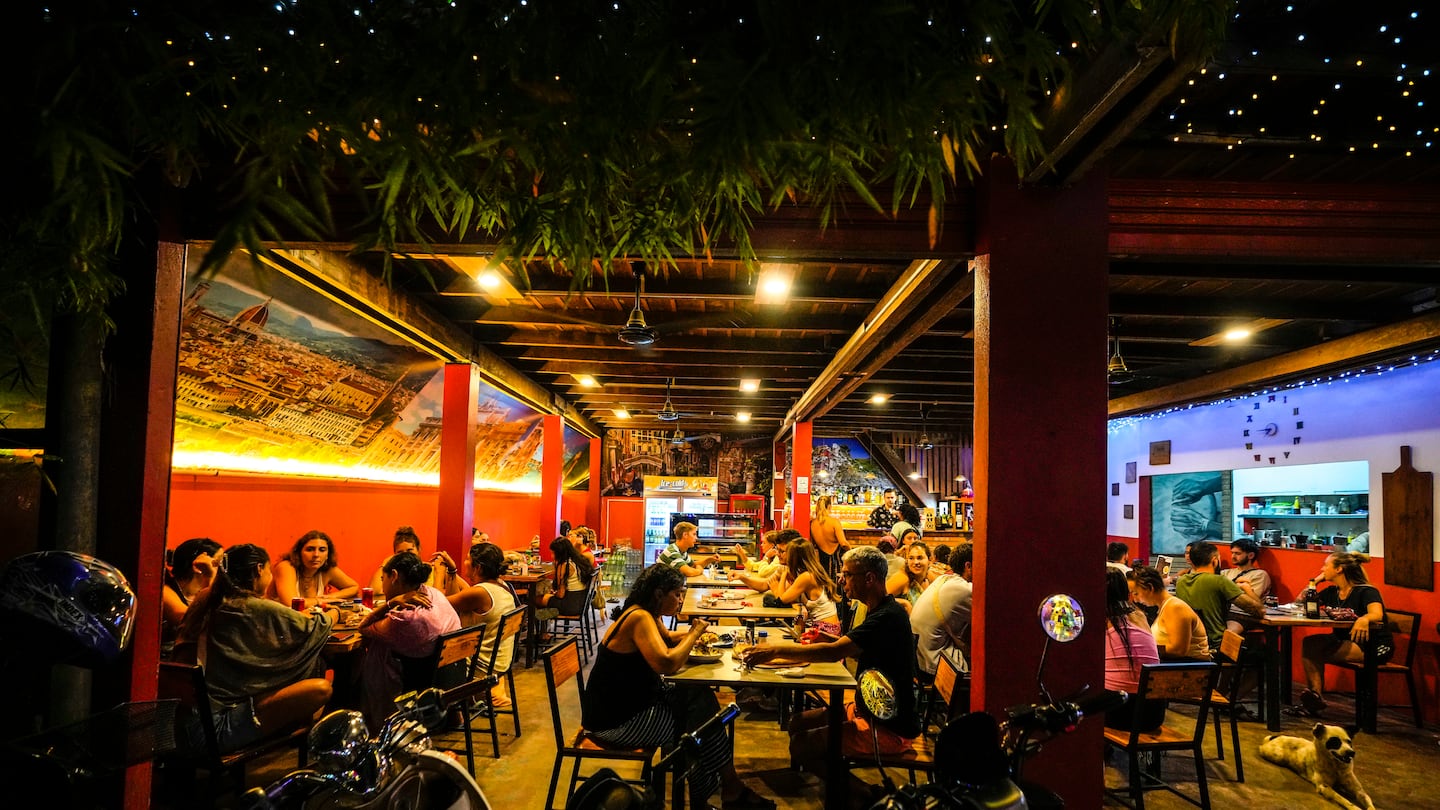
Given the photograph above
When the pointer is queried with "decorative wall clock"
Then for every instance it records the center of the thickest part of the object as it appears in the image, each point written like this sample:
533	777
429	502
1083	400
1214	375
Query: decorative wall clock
1272	428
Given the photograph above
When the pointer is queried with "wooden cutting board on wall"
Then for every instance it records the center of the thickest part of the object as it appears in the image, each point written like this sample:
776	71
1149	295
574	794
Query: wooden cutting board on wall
1409	498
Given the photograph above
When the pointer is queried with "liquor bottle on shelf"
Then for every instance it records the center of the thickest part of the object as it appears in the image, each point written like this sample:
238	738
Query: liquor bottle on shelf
1311	600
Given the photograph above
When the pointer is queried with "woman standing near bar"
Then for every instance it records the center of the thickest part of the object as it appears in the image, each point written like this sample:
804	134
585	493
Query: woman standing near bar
309	569
1352	590
829	537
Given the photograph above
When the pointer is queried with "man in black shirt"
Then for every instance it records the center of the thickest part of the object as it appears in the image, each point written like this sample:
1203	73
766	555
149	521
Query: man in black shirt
881	642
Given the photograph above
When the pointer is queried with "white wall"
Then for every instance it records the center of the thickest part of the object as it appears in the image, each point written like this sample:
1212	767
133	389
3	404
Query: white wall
1363	417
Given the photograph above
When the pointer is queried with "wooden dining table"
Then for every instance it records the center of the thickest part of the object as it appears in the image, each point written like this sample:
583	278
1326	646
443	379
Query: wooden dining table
524	585
1278	627
831	676
747	606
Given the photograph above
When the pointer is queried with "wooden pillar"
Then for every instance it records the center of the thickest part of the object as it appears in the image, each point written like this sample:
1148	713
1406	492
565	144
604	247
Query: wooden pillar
800	468
136	435
1040	410
592	499
552	485
459	419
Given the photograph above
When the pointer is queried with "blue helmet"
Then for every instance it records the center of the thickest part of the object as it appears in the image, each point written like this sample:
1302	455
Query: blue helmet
79	608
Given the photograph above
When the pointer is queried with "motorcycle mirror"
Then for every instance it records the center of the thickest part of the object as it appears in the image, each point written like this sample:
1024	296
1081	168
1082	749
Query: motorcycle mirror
877	695
1061	617
339	741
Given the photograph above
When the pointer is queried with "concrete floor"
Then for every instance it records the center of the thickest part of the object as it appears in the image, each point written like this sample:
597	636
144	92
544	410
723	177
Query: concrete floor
1398	766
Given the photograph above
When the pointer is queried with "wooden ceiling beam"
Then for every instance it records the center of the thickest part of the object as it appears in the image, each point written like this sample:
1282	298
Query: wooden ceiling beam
805	290
1397	338
1353	275
1249	307
718	344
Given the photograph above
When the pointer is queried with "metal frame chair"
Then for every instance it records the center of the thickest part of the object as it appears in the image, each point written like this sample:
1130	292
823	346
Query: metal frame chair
1404	625
486	679
565	625
1230	648
562	663
451	668
1183	681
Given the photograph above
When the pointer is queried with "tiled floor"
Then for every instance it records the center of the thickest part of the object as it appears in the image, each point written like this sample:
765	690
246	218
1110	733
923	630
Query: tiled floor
1399	766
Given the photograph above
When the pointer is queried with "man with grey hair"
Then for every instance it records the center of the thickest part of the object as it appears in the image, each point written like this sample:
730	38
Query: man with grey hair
677	554
882	642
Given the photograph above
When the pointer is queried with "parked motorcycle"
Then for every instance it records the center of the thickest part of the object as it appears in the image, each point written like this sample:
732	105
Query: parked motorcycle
978	761
396	770
605	790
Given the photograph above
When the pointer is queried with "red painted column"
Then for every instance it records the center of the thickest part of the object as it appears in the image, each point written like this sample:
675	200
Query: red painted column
552	470
1040	410
777	485
800	469
592	499
455	511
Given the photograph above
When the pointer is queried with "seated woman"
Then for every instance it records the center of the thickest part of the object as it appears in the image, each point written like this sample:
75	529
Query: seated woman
1179	633
484	603
311	571
626	704
583	538
413	617
261	659
804	580
192	570
572	576
1352	590
1128	647
769	561
915	577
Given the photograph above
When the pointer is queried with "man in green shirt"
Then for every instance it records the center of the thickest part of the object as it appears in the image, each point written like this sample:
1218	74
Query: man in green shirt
1212	594
677	554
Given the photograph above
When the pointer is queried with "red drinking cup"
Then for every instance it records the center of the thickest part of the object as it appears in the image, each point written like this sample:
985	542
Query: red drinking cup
298	603
367	597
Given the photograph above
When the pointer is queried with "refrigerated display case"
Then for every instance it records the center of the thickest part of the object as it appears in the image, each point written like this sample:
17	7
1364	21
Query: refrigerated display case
753	505
719	530
668	494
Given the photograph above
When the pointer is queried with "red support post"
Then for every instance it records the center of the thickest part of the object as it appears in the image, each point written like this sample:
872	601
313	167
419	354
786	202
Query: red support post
552	470
800	466
592	499
455	511
1040	415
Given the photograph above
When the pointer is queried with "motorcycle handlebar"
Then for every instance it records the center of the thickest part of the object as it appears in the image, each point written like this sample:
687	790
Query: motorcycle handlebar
1064	715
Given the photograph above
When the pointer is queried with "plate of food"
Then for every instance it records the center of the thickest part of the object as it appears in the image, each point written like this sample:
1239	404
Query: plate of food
705	651
722	604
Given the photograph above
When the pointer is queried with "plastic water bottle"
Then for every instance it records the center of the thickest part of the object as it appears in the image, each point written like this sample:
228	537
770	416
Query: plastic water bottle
763	638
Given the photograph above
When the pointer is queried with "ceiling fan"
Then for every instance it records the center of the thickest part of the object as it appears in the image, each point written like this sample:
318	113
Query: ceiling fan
924	442
667	412
1116	370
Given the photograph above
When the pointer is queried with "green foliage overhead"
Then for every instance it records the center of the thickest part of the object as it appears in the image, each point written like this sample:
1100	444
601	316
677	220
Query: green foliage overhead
575	132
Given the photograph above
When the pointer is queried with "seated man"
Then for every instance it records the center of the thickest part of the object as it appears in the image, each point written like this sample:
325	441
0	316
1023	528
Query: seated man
1251	579
677	554
881	642
1115	554
941	616
1211	594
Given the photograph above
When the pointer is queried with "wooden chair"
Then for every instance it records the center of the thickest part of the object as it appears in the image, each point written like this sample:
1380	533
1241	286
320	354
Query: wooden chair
1405	626
1223	702
1184	681
450	667
185	683
921	755
562	663
949	684
486	678
581	625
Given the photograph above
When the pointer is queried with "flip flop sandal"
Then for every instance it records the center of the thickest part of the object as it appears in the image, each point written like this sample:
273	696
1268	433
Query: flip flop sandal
1312	702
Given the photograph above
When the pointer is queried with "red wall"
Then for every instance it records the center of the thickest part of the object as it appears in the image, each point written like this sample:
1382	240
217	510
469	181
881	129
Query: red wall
360	517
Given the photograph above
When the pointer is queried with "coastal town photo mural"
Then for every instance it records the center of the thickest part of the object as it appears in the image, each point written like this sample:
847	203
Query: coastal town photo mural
276	378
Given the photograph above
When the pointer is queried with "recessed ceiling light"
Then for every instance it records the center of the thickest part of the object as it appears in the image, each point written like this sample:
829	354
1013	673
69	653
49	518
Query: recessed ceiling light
1238	333
1229	334
773	286
490	280
749	386
879	399
621	413
585	380
742	416
914	475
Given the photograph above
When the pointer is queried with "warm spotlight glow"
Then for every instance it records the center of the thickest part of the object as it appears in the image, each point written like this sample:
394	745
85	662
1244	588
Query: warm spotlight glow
621	413
749	386
585	380
773	285
742	416
879	399
490	280
913	476
776	286
1236	334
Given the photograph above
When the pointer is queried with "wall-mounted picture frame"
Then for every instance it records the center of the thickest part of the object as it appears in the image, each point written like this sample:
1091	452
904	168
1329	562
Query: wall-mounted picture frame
1159	453
1129	511
1130	475
1114	489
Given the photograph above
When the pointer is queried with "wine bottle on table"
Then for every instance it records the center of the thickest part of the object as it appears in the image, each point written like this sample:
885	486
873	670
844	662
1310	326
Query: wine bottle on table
1311	600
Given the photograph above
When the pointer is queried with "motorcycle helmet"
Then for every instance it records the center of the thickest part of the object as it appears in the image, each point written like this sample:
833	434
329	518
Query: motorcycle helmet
77	608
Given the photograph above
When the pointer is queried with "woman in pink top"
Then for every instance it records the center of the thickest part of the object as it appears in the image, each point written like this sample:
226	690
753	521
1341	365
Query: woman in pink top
413	617
1128	647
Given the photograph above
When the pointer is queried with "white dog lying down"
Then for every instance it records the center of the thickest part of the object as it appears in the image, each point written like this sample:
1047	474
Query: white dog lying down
1327	761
